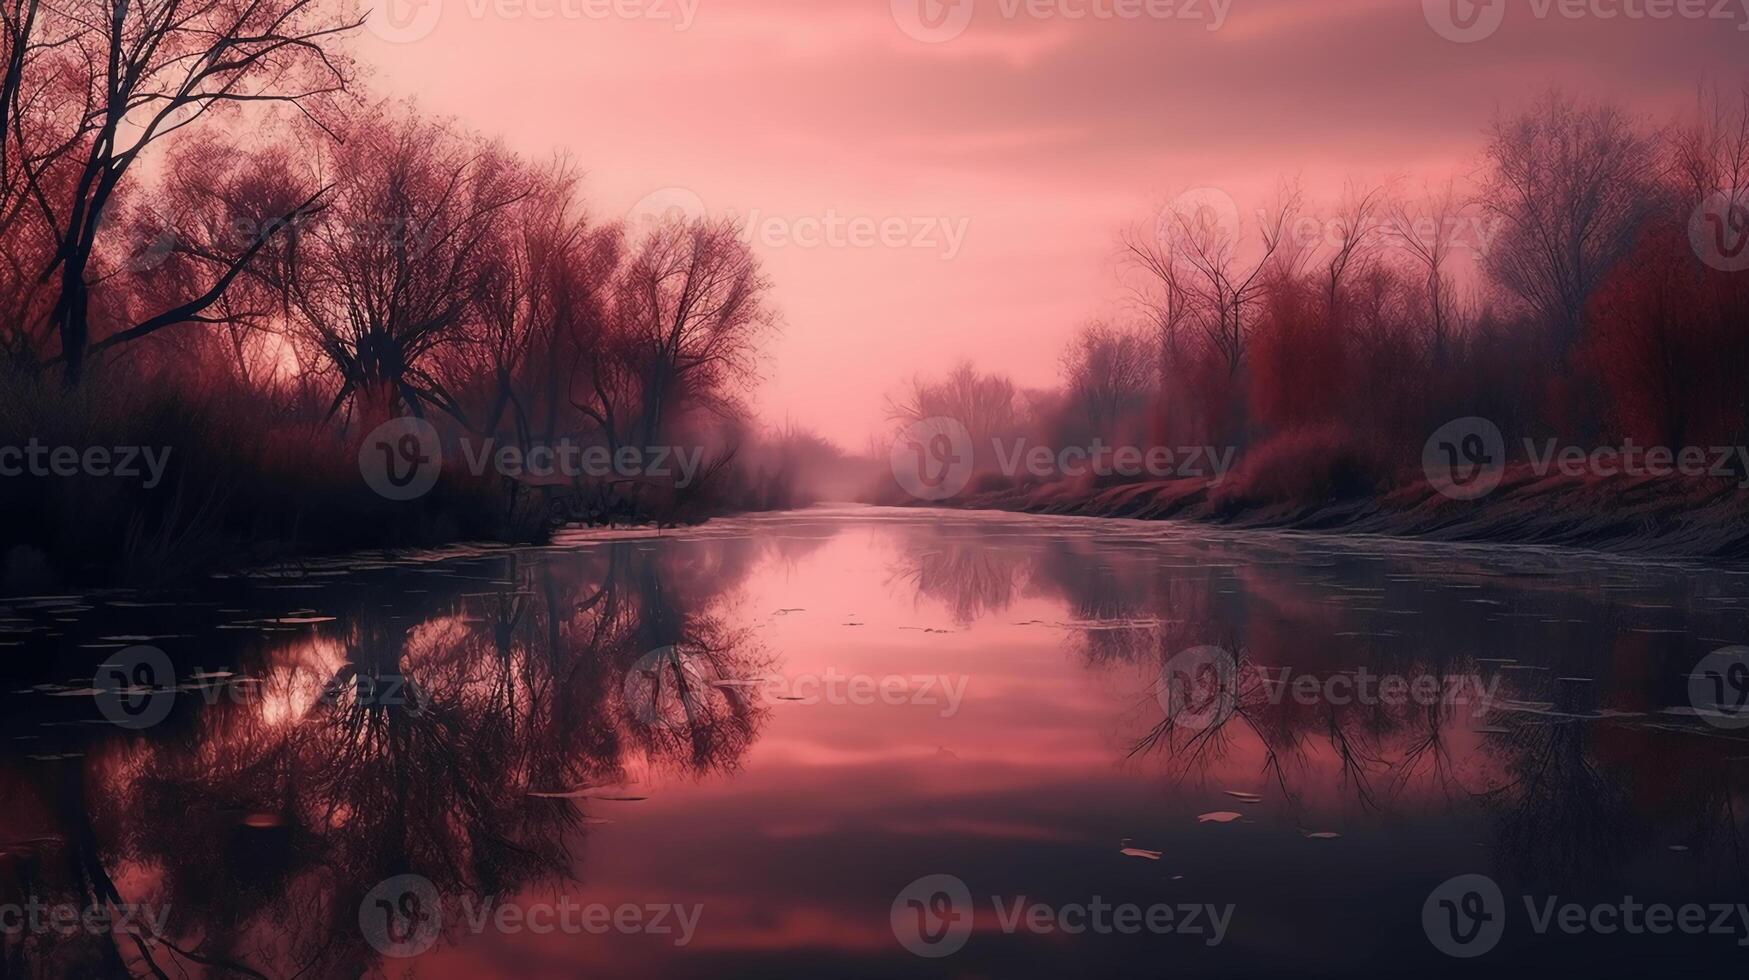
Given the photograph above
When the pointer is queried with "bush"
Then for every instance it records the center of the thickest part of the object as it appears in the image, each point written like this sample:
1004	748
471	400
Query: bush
1302	467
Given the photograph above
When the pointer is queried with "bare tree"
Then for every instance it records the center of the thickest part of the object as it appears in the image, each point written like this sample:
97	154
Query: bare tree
393	269
1711	154
152	68
1357	240
1162	297
39	113
689	307
983	403
1425	234
1107	371
539	296
1571	182
1217	282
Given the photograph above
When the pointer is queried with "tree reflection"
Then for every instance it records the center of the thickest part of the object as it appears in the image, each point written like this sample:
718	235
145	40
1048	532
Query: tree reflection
455	738
1571	793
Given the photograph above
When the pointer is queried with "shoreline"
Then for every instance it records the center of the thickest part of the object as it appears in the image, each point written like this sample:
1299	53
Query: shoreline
1706	520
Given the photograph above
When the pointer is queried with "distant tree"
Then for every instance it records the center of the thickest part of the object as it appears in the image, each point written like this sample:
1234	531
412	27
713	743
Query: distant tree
1424	233
1108	373
1711	152
1668	334
685	313
393	269
1200	263
1357	239
984	403
1572	183
540	293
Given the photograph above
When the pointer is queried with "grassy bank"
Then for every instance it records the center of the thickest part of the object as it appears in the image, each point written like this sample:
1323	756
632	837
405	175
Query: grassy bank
1665	517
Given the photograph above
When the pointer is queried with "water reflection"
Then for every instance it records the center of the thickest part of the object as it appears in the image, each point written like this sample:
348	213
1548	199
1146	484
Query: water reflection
468	717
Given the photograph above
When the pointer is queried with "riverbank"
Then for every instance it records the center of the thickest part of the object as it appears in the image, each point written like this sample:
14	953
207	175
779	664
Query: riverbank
1654	516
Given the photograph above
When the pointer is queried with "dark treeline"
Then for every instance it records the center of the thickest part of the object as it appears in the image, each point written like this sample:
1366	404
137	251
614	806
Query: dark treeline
213	241
1577	286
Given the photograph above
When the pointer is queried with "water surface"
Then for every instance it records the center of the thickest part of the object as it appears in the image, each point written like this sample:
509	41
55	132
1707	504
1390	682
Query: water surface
781	724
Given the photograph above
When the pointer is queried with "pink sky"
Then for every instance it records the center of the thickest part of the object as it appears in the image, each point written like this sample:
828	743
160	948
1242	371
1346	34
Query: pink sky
1039	137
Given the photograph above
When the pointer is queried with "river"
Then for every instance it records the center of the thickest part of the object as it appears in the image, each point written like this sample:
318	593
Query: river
871	742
